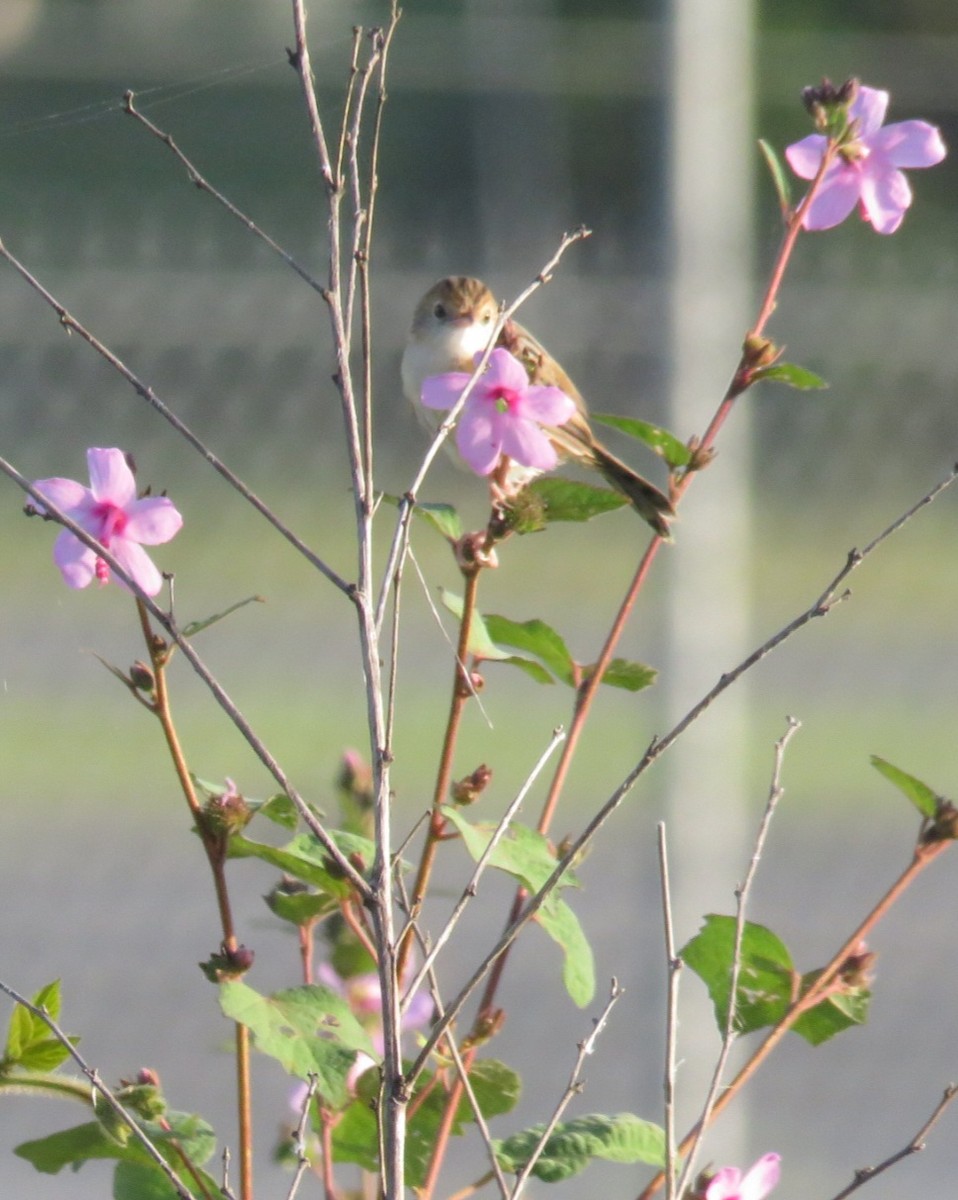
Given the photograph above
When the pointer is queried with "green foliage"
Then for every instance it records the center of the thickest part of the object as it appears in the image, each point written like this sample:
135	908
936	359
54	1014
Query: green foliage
920	794
768	983
30	1046
195	627
543	652
553	498
788	373
306	858
137	1176
442	517
666	445
621	673
356	1138
572	1145
780	177
309	1030
528	858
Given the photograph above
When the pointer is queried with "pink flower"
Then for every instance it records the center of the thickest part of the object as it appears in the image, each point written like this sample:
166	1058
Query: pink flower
503	415
110	512
867	169
755	1184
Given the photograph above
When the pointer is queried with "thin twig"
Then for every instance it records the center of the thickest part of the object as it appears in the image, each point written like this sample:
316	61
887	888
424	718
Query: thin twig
866	1174
99	1086
742	892
472	886
573	1088
673	966
826	601
299	1138
199	181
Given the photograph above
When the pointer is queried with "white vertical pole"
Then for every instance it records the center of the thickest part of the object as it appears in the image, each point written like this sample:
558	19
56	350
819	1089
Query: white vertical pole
712	154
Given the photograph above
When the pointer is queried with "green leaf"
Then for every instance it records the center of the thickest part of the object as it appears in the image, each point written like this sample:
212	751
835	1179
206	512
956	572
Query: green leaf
620	673
300	908
572	1145
308	1029
306	858
442	517
144	1181
527	856
794	376
73	1147
195	627
483	647
780	177
568	500
832	1015
766	974
665	444
356	1137
51	1154
537	638
920	794
30	1046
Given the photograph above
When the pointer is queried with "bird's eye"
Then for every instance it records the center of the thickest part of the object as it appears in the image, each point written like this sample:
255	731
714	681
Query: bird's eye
439	310
487	317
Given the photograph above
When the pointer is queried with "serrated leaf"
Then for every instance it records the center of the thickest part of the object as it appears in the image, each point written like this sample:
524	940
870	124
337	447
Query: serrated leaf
666	445
279	809
526	856
624	1138
195	627
483	647
920	794
310	1030
620	673
568	500
30	1046
51	1154
766	974
780	177
143	1181
789	373
535	637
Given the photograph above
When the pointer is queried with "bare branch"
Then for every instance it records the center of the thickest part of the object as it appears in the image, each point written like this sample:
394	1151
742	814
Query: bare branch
674	968
866	1174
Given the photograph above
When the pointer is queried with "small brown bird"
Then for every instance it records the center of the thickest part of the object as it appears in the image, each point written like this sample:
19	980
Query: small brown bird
452	325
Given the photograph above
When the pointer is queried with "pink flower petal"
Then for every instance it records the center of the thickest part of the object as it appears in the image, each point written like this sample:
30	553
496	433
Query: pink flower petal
805	156
152	520
505	370
443	391
66	494
547	405
525	443
885	197
835	199
477	442
869	110
762	1177
110	476
910	144
138	565
77	562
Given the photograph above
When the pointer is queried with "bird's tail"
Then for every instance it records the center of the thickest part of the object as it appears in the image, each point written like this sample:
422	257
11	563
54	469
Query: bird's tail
653	506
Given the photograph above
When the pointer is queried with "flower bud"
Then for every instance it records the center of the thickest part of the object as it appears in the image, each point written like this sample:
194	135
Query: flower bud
225	814
467	790
142	677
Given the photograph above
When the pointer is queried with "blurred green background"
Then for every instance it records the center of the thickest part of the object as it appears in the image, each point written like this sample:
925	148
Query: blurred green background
506	123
